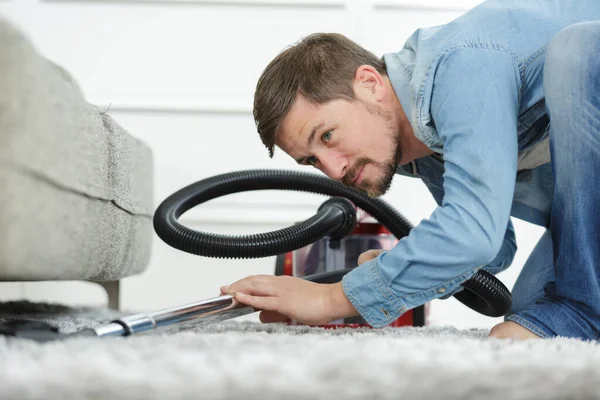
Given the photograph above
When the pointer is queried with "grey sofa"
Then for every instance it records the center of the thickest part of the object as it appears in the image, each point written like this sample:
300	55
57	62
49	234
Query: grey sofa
76	189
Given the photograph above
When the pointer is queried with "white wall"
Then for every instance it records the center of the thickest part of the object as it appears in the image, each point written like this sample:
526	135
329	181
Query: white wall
180	75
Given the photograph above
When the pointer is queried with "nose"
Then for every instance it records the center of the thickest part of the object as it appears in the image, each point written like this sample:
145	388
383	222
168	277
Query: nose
333	165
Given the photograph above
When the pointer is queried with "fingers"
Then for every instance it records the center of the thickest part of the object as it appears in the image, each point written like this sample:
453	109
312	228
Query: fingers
258	292
256	285
258	302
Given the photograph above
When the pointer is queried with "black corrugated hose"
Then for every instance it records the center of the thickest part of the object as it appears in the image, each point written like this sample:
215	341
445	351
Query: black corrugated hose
336	217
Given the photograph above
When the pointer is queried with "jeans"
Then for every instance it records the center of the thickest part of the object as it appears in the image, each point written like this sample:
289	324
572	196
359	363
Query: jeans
558	290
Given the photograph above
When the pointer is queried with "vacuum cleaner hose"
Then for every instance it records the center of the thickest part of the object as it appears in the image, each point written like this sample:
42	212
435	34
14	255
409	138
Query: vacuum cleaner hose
336	218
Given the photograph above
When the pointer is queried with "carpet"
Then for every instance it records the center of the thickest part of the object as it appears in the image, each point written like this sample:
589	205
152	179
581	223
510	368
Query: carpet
249	360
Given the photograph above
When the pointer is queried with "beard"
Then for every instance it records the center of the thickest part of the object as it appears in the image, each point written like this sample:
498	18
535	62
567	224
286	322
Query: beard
387	169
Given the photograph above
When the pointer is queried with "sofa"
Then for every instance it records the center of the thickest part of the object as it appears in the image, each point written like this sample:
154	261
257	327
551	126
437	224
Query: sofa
76	189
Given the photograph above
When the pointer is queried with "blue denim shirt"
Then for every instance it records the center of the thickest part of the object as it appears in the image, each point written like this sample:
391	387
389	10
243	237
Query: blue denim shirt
473	91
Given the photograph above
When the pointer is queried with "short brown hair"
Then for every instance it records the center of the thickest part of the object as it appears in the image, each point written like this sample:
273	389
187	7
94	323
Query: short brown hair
320	67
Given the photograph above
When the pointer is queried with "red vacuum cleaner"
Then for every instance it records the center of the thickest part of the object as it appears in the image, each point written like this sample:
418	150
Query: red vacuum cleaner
321	249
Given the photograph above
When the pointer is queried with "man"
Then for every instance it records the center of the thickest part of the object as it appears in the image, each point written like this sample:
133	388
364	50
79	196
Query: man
498	112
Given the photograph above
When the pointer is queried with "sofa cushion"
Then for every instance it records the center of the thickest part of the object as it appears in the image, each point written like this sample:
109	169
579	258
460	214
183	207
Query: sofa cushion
76	193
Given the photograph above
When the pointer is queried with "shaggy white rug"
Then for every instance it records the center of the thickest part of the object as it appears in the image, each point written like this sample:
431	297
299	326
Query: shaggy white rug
247	360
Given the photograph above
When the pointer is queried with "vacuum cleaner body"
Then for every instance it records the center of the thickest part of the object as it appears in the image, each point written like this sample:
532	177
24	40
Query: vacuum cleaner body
337	254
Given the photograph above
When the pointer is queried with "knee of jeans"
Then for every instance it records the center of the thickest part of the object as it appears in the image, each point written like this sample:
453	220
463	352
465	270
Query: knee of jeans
571	58
519	303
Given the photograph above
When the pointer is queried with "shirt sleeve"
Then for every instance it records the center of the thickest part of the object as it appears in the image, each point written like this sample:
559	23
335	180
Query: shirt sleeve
503	259
474	106
505	256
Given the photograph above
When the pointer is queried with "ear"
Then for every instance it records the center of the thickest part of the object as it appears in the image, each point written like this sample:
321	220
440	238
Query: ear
368	83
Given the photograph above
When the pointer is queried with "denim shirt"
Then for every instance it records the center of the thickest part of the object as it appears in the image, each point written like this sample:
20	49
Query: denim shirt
473	91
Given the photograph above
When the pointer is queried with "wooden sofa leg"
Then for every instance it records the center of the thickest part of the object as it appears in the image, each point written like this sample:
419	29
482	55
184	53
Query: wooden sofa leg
113	290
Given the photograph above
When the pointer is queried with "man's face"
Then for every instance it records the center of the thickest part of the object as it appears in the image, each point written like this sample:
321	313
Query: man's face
354	143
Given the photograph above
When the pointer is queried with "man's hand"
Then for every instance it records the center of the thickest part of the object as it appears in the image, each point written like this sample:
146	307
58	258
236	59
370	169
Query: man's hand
282	297
369	255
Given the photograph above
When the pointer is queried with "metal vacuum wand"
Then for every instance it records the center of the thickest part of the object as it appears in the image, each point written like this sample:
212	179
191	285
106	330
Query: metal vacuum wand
204	312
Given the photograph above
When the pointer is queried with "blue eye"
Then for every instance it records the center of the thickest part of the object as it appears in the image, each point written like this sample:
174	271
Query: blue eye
312	160
327	135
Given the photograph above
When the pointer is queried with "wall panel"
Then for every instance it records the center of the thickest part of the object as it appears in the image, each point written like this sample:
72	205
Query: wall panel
206	51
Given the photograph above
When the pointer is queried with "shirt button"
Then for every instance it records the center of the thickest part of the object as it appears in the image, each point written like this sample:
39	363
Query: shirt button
441	290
